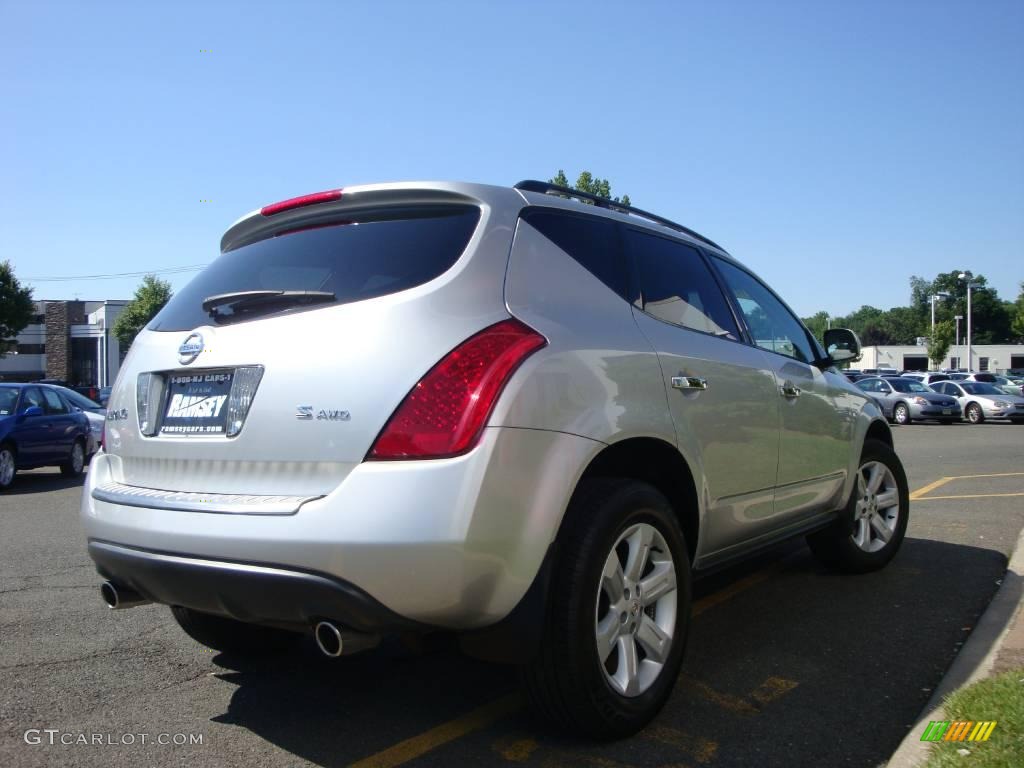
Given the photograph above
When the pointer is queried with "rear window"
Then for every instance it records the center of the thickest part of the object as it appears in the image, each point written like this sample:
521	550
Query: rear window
372	254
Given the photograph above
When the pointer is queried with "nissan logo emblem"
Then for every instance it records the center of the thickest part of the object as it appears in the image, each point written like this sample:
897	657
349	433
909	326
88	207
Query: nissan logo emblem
190	348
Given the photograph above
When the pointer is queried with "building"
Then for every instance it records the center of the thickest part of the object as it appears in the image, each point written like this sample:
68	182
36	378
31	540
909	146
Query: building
68	340
986	357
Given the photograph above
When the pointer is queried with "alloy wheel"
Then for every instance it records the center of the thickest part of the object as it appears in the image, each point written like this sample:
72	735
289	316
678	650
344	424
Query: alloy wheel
877	510
635	616
902	414
77	458
6	467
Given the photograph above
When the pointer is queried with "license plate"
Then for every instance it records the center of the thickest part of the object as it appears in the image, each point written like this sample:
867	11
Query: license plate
197	403
946	411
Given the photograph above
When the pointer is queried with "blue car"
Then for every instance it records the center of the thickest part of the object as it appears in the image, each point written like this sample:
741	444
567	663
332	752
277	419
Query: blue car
40	428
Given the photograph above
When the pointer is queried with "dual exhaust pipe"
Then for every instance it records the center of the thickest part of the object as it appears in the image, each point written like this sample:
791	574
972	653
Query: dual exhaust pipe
332	640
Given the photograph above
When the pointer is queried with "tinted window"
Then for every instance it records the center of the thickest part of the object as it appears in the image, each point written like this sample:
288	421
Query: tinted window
373	254
592	242
676	285
980	388
8	400
54	404
772	326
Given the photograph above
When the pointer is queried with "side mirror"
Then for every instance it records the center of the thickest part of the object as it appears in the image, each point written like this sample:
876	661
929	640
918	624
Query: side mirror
842	345
32	410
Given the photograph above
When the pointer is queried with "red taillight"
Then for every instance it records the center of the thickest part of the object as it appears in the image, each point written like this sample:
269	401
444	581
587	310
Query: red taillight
299	202
445	412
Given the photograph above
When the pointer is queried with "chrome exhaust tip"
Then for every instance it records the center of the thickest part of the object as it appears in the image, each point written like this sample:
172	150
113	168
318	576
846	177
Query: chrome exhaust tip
118	598
329	639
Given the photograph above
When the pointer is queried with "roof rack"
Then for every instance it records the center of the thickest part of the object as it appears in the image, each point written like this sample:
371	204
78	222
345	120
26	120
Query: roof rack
547	188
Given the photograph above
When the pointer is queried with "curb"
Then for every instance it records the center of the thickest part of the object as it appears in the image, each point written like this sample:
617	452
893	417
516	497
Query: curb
974	661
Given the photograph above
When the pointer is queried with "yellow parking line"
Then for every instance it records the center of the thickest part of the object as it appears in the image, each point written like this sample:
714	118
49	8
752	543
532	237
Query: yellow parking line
975	496
490	713
407	750
997	474
930	487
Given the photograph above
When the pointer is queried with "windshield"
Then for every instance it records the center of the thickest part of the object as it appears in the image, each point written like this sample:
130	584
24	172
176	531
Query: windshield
8	400
907	385
979	388
373	254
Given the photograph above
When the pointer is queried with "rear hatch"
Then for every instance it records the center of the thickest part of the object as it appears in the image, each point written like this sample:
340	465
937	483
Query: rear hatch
275	369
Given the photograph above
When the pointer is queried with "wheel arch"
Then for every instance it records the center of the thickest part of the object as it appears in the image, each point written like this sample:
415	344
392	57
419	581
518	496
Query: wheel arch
660	464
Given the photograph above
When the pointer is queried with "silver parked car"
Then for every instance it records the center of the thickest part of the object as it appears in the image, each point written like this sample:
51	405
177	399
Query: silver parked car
981	400
904	400
522	414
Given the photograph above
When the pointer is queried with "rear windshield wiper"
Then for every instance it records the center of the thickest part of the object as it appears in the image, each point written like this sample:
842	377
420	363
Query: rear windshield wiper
242	301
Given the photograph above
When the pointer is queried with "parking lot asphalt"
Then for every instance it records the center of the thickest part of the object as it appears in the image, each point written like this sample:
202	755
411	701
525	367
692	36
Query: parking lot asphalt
788	664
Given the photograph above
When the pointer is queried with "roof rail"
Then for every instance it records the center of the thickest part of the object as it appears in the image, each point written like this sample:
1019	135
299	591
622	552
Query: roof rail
548	188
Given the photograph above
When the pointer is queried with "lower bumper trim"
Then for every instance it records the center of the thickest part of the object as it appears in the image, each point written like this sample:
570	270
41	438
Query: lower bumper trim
252	592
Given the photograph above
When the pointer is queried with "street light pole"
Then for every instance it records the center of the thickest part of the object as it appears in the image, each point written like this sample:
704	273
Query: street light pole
935	296
958	318
968	277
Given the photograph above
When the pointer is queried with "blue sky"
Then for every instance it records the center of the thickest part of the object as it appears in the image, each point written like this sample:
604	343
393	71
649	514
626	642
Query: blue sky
836	148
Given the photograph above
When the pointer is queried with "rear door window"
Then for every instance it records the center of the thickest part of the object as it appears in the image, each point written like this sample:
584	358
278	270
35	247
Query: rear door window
371	254
54	405
677	287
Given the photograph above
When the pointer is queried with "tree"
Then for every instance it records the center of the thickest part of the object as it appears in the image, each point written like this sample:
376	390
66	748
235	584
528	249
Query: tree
587	182
940	342
817	324
16	307
1017	326
149	299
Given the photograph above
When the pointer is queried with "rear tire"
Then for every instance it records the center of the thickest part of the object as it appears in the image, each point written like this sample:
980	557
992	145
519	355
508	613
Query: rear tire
76	461
611	651
8	466
230	636
871	528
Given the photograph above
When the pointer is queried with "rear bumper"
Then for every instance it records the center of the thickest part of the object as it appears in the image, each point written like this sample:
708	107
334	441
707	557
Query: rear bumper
451	543
261	594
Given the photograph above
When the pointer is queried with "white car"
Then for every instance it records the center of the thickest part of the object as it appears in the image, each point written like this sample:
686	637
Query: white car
982	400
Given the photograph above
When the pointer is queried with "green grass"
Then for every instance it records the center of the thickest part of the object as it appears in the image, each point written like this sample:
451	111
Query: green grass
999	698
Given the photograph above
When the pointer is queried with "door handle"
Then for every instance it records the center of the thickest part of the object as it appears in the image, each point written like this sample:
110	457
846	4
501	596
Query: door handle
789	390
692	383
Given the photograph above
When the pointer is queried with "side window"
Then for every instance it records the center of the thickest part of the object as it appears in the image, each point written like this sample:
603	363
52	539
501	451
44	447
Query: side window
31	396
772	326
591	241
54	404
869	386
677	287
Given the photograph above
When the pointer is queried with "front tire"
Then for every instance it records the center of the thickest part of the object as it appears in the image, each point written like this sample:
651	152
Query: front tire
901	414
618	612
230	636
874	523
974	413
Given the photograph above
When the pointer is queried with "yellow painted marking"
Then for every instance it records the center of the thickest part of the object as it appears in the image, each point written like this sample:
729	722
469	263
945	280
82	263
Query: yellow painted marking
997	474
733	589
516	750
724	700
490	713
988	731
407	750
930	487
772	688
975	496
702	750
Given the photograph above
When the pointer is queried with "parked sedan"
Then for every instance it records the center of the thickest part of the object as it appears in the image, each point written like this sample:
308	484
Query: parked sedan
39	428
981	400
905	400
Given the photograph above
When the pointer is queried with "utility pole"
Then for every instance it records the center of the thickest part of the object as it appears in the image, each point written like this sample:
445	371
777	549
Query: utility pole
958	318
968	277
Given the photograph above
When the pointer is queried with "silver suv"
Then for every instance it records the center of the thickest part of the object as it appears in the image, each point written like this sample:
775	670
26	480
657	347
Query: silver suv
524	415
